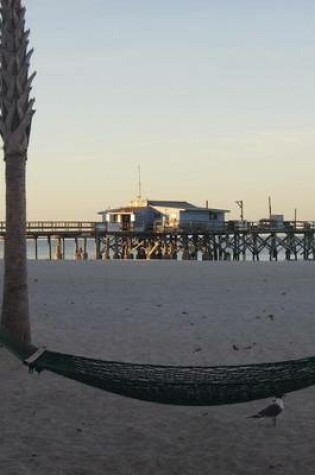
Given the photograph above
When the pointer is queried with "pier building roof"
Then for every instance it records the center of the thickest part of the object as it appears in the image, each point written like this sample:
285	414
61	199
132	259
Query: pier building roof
183	205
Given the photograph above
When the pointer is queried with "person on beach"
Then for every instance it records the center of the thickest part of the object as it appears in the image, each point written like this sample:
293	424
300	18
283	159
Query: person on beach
78	254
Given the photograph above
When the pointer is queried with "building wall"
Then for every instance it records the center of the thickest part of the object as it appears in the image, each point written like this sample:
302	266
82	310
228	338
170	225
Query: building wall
144	219
208	218
171	214
141	219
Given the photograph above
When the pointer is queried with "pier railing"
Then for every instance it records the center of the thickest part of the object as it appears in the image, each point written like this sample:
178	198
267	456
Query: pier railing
51	227
91	228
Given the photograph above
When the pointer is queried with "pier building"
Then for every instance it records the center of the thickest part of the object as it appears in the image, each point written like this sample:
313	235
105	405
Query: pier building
158	215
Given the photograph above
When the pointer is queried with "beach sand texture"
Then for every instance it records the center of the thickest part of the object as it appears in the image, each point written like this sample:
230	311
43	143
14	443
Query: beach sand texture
200	313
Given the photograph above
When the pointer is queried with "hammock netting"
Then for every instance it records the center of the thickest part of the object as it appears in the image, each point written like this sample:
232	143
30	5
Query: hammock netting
177	385
181	385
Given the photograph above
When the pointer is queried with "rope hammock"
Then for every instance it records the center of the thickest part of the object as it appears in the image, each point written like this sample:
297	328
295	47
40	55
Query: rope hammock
181	385
177	385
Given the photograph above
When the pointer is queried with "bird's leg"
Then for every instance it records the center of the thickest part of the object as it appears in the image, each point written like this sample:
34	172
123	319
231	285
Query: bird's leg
274	421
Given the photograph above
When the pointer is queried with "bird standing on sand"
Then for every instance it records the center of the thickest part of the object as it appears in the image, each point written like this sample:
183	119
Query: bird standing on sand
272	411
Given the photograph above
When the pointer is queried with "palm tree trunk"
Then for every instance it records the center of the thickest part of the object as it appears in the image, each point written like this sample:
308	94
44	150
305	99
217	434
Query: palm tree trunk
15	127
15	307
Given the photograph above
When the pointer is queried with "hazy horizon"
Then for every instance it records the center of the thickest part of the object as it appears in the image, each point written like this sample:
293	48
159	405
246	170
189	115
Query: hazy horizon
214	100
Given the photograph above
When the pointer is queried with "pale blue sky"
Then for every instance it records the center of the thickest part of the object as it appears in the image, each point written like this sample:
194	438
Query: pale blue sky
214	99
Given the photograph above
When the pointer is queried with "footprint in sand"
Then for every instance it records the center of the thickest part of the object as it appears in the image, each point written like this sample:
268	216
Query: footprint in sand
197	350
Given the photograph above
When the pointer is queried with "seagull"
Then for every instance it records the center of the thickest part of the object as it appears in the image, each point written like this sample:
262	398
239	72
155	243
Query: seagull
272	411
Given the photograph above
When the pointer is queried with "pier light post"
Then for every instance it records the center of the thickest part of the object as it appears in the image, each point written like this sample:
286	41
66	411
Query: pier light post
16	108
240	204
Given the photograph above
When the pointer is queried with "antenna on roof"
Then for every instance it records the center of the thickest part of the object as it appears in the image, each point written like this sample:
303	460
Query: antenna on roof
139	182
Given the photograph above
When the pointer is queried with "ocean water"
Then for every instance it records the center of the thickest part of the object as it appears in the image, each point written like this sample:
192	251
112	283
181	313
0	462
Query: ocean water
43	249
69	251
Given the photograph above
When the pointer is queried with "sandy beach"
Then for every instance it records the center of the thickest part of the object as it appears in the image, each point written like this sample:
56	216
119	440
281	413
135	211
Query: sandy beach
202	313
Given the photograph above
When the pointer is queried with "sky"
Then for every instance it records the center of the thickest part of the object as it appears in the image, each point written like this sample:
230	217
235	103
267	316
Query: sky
213	99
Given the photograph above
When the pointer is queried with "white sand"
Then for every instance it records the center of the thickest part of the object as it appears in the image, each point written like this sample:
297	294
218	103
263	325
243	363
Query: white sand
159	312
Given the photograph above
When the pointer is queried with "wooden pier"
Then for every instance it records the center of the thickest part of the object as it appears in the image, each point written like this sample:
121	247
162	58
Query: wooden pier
295	240
58	232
